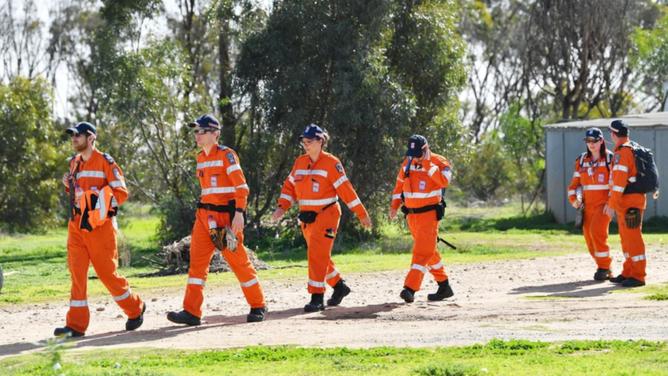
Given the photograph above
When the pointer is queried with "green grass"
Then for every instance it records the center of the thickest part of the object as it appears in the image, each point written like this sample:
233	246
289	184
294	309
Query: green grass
516	357
36	269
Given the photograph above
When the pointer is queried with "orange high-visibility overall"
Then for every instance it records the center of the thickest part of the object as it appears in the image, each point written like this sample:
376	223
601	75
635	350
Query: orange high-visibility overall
317	186
222	181
423	187
97	247
624	171
592	178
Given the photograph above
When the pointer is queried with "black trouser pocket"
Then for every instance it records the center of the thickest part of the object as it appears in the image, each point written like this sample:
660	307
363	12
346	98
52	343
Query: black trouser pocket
307	216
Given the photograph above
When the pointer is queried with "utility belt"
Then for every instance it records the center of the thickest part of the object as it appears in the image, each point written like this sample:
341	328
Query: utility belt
229	208
439	208
308	216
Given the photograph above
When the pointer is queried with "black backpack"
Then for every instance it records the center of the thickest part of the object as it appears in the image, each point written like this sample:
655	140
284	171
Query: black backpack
647	178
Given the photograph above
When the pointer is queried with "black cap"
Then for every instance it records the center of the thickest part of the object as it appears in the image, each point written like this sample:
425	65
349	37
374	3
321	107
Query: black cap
82	128
415	145
207	121
619	127
594	133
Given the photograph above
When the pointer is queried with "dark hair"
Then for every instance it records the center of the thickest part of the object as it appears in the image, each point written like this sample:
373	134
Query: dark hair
601	151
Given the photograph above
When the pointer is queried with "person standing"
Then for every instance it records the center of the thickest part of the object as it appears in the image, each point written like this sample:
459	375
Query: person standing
589	191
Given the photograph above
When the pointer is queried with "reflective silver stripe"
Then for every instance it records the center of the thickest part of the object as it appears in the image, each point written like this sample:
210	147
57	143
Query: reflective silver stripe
196	281
576	174
102	204
324	201
433	170
322	173
626	255
632	179
435	193
233	168
78	303
291	179
116	183
91	174
242	186
436	266
249	283
332	274
601	254
571	192
620	168
209	191
340	181
396	197
354	203
617	188
217	163
595	187
447	174
315	283
124	296
638	258
419	267
287	197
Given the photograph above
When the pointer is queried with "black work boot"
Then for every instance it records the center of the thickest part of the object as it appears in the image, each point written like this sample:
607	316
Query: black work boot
135	323
632	282
408	295
256	314
444	291
66	331
602	274
183	317
619	279
316	303
341	290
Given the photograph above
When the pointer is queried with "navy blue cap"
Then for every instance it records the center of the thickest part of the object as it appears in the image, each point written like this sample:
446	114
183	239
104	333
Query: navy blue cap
619	127
207	121
415	145
594	133
313	131
82	128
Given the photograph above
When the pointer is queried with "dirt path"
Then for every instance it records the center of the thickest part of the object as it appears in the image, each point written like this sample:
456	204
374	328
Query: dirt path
547	299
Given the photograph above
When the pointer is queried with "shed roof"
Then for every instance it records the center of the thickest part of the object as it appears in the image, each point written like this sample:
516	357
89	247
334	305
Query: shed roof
648	120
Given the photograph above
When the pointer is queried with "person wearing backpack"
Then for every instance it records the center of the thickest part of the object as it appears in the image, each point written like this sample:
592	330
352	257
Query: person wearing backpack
628	201
592	171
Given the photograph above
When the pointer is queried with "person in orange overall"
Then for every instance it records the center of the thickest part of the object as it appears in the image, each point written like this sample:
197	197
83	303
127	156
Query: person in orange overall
624	173
90	174
316	182
589	190
222	205
420	182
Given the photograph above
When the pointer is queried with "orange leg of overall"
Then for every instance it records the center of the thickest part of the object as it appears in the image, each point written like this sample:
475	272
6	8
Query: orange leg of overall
99	249
201	252
633	247
424	229
595	230
320	237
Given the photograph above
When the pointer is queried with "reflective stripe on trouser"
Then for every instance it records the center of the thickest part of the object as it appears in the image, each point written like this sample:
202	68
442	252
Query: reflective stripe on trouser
97	247
424	229
595	230
201	252
633	248
319	237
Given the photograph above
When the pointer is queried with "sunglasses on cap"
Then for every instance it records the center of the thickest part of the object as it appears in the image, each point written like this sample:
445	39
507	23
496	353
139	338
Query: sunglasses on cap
592	140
